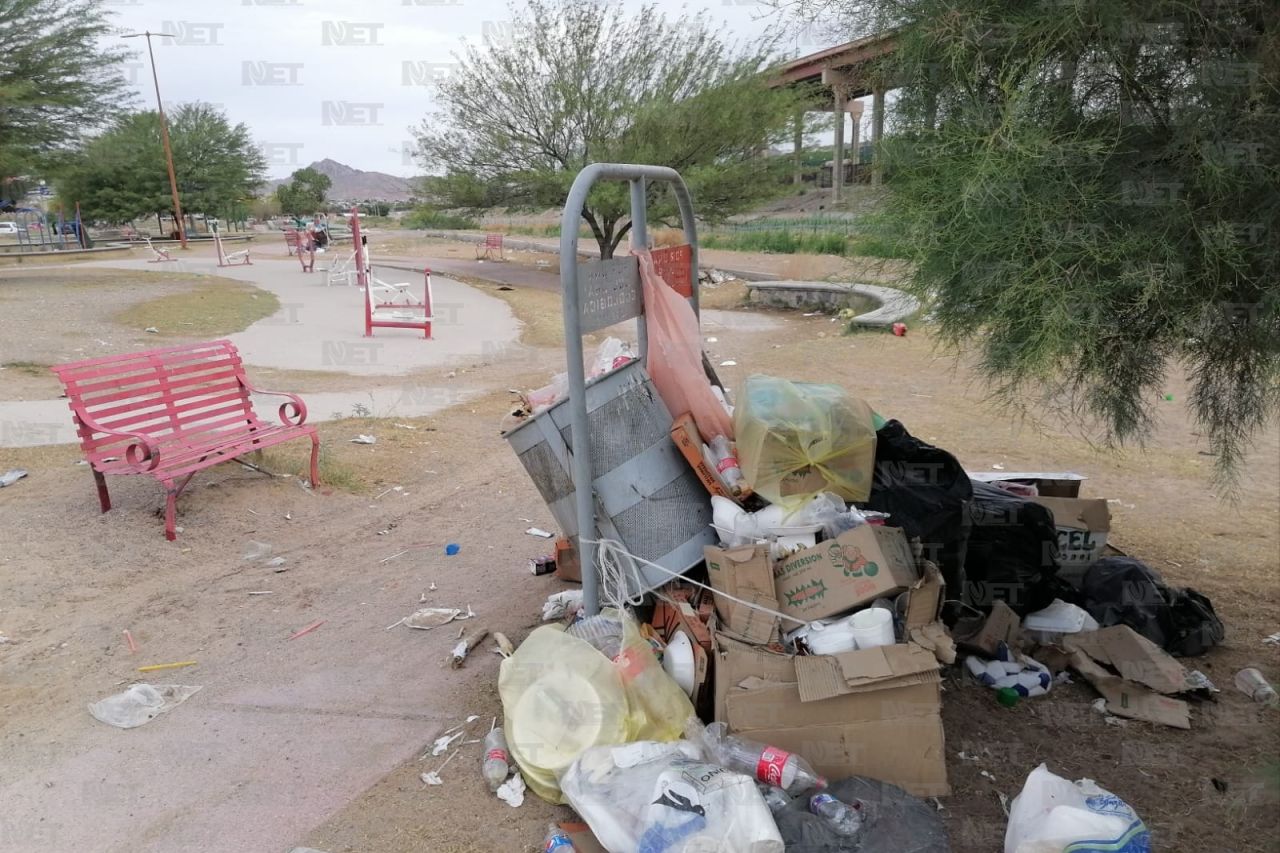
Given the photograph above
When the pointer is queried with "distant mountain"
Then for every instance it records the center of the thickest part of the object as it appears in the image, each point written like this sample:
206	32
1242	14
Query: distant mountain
355	184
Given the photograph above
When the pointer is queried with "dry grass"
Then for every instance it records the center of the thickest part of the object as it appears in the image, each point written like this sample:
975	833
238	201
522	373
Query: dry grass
218	307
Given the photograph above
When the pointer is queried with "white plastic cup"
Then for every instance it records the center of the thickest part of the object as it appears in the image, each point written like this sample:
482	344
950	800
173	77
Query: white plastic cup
872	627
831	638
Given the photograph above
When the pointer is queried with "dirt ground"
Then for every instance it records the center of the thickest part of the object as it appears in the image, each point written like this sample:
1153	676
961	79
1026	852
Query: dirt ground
71	577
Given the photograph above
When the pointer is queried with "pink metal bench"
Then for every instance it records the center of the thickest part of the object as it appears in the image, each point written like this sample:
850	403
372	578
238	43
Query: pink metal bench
491	248
169	413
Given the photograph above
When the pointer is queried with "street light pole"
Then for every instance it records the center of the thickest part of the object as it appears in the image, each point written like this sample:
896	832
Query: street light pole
164	134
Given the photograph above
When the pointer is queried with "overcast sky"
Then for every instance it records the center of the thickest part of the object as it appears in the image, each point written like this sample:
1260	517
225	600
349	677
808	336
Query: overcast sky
344	80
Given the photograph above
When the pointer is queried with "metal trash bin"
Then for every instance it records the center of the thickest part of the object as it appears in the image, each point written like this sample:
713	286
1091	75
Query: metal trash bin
647	497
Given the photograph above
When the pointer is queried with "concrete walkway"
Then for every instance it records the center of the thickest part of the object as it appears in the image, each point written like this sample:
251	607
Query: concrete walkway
894	305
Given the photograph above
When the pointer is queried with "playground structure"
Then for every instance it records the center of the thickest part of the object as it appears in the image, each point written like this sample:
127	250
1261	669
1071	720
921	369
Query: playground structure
40	231
388	304
228	259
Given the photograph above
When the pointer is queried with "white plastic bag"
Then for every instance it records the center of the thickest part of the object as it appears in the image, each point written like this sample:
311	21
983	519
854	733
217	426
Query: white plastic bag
650	797
140	704
1053	815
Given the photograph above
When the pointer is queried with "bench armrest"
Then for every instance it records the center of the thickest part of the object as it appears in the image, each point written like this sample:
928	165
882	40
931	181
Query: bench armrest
141	452
299	414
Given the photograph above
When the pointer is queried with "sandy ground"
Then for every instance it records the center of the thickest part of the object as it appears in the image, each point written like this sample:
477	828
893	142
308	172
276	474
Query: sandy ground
317	740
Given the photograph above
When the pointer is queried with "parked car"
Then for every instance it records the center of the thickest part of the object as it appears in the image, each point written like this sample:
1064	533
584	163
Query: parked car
10	228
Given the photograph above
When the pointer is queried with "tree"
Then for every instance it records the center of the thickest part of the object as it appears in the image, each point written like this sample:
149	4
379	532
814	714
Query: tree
581	81
57	80
304	192
1091	192
121	174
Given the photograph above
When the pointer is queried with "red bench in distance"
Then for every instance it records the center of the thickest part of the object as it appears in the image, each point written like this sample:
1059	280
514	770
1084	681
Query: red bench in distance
490	249
169	413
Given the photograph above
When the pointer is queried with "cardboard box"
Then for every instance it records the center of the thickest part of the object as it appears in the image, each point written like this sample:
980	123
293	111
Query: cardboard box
838	575
746	573
984	636
1082	526
568	566
874	713
1146	673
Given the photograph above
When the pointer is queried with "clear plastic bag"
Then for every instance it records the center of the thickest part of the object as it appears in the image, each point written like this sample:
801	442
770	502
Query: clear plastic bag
674	357
798	439
1053	813
561	696
645	797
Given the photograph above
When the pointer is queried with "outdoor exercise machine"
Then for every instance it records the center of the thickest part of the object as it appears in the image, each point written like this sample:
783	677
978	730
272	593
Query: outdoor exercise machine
225	259
491	247
341	270
159	255
388	304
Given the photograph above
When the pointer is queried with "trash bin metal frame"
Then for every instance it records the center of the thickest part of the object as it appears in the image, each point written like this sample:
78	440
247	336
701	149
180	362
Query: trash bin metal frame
613	295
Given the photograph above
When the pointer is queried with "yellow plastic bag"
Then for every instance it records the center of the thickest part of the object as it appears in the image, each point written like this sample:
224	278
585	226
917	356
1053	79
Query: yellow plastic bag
796	439
562	695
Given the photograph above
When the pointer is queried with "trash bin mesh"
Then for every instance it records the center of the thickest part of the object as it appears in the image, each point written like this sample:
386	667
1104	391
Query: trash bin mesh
623	428
675	513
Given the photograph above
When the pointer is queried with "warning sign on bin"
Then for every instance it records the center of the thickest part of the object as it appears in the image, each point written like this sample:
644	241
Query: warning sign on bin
609	292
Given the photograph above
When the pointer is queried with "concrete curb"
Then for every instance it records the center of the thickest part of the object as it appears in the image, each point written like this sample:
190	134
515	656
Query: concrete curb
895	305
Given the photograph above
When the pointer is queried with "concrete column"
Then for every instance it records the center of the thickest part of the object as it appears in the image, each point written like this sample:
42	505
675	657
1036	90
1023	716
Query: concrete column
855	116
837	163
797	177
877	131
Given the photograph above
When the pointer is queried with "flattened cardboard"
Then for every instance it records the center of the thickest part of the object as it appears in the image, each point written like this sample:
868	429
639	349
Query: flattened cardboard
925	597
686	437
1127	699
745	572
838	575
1132	655
826	676
1002	625
1083	525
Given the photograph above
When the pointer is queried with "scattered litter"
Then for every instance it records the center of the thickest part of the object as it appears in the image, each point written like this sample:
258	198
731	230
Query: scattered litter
288	516
986	775
1099	705
433	617
505	648
1004	801
152	329
459	654
4	639
399	621
1273	640
1063	677
364	439
965	757
539	532
308	629
140	704
8	478
539	566
452	549
1053	813
256	550
433	778
1197	680
262	592
997	467
939	804
277	563
128	638
512	791
712	340
251	511
1254	684
156	667
432	588
729	363
392	557
560	604
442	743
404	426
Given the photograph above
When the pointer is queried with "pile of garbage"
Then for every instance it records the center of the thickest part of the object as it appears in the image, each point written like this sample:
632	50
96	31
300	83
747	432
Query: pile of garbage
844	566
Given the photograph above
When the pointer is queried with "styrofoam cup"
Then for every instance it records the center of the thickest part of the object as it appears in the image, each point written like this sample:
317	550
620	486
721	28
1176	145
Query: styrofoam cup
872	627
831	639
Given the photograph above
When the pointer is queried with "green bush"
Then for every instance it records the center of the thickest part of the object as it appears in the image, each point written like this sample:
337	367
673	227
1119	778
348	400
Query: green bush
792	242
422	218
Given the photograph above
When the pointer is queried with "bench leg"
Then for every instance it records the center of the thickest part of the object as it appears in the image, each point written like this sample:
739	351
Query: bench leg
170	501
104	497
315	460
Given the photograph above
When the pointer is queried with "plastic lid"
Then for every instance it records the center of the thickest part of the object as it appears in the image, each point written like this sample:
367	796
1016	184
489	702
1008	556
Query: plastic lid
560	715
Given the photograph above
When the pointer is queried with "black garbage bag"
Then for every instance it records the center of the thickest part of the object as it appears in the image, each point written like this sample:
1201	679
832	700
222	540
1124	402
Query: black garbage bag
1125	591
925	490
893	822
1013	552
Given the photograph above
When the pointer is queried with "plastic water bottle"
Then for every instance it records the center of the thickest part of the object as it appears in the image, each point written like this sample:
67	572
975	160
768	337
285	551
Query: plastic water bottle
556	841
727	463
844	819
496	767
1252	683
767	764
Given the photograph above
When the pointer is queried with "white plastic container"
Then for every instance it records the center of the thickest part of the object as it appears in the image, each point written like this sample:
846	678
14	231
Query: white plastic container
872	627
1059	618
831	638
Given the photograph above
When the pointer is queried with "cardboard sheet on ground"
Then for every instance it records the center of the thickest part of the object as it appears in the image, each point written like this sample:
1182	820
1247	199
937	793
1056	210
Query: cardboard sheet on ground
1146	673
